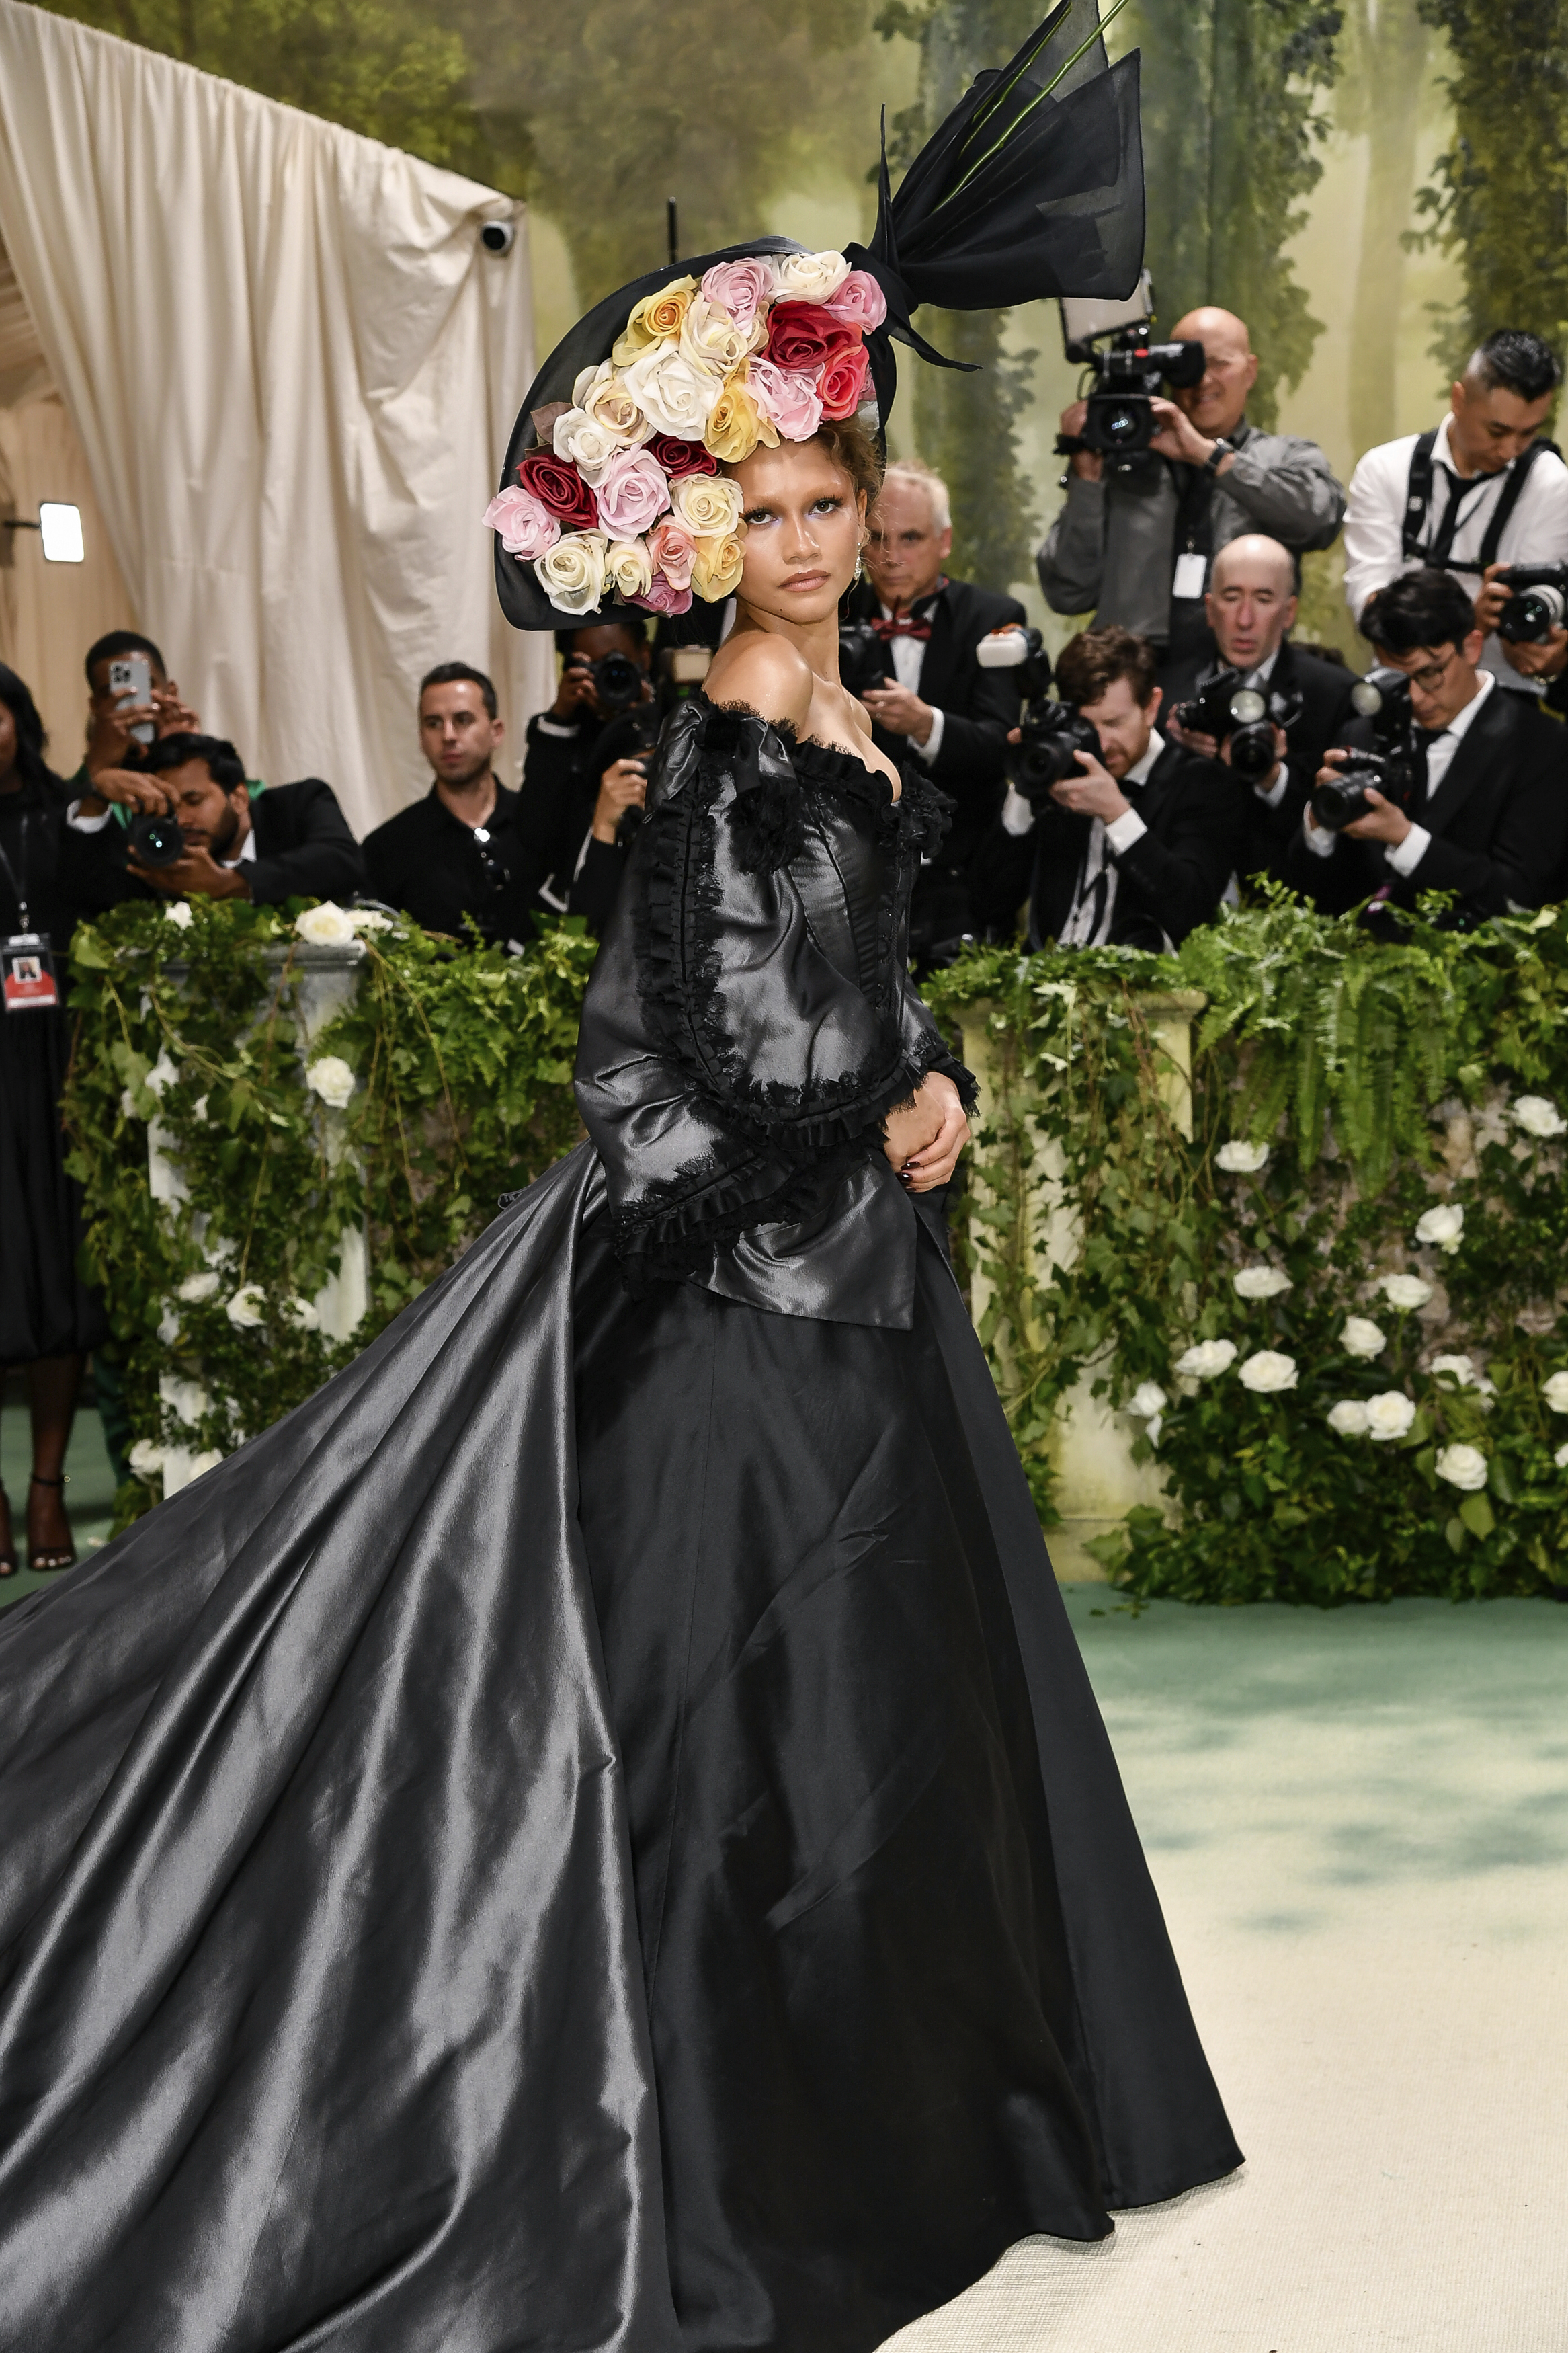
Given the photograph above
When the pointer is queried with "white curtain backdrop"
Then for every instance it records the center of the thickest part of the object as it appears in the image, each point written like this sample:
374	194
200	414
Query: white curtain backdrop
292	368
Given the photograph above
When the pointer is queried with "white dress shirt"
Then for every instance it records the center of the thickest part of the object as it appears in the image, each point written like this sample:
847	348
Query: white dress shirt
1536	532
1405	856
909	661
79	823
1089	919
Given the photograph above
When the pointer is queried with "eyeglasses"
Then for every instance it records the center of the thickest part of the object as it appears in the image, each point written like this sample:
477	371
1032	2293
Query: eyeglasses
1431	678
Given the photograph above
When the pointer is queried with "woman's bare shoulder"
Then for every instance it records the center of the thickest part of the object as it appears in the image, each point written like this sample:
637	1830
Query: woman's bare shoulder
760	672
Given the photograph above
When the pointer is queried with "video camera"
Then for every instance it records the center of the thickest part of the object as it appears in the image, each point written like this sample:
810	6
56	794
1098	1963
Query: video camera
1128	372
1537	607
1050	735
1245	717
1394	767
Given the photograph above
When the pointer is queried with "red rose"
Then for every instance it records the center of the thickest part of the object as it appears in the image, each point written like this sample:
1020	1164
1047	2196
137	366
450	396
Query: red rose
843	381
678	457
803	335
556	484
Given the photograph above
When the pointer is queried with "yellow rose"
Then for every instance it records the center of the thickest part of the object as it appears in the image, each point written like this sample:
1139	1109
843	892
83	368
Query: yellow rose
736	424
716	568
713	339
628	567
656	318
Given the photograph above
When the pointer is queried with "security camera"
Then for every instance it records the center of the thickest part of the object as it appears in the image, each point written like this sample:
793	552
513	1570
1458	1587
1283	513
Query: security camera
499	236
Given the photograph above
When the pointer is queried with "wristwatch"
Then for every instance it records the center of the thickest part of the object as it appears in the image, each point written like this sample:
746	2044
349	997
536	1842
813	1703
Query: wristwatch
1222	449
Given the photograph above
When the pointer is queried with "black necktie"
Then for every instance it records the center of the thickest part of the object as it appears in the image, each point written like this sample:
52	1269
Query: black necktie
1426	738
1442	547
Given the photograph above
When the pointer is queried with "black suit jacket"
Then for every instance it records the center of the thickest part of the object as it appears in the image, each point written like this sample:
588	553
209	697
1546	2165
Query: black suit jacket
1326	710
1172	879
303	850
1499	823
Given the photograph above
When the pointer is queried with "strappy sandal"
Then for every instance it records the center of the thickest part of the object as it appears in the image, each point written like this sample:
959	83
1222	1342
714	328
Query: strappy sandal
56	1559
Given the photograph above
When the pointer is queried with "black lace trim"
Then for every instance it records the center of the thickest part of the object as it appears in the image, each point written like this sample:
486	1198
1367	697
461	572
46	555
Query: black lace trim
669	1239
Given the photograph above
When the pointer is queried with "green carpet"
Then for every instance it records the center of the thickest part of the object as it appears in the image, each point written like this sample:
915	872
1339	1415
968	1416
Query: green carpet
89	1497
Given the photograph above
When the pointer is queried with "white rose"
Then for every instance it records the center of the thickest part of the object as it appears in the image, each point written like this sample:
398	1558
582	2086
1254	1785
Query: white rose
371	918
1206	1358
1560	1458
628	567
199	1108
707	505
601	393
1538	1115
1261	1282
1268	1372
809	277
1458	1368
1462	1466
1359	1336
146	1459
675	391
202	1463
1348	1419
168	1328
586	444
331	1077
1405	1291
198	1287
1390	1415
162	1075
326	926
1147	1400
1445	1225
179	912
301	1313
247	1308
1240	1159
713	339
571	573
1554	1389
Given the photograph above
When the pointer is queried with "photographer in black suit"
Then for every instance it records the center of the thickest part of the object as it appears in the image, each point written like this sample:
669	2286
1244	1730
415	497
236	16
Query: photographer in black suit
1484	813
927	695
1136	850
1251	605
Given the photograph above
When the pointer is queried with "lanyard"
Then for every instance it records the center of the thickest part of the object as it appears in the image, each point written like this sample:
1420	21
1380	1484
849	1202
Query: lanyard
20	888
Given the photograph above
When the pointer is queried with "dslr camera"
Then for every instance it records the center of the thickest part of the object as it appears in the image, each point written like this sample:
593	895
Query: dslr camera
618	683
1245	717
1395	765
1114	339
1537	607
1051	735
155	839
861	664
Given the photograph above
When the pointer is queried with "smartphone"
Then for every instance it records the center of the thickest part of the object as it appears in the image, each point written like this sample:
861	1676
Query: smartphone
130	680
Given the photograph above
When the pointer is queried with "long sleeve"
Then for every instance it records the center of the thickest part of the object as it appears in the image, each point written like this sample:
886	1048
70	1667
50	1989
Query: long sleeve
321	861
1071	564
1286	487
1375	520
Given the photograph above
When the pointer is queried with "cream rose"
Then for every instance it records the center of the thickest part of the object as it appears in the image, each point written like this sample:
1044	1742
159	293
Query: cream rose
1554	1389
716	567
809	277
1389	1415
1148	1400
1464	1467
602	395
1443	1226
706	505
571	573
1240	1159
333	1078
1405	1291
1349	1418
1538	1115
713	338
655	320
1268	1372
1359	1336
179	912
1206	1359
676	393
326	926
247	1308
1261	1283
198	1287
579	441
628	568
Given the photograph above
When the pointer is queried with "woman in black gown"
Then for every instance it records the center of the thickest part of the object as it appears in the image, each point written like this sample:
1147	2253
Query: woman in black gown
593	1831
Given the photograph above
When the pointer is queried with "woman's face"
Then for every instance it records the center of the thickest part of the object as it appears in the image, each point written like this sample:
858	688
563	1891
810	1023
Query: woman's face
7	741
804	519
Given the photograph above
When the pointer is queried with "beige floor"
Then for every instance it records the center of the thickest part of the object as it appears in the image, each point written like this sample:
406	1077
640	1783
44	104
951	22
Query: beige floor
1359	1826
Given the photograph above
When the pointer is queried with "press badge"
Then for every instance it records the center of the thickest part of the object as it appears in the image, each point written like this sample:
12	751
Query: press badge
1191	570
28	964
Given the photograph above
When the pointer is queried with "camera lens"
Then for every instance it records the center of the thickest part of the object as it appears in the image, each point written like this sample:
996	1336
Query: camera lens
1119	426
156	840
1247	707
1531	615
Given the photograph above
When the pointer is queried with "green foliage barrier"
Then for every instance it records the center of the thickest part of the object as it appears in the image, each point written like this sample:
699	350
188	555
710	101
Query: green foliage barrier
461	1062
1376	1082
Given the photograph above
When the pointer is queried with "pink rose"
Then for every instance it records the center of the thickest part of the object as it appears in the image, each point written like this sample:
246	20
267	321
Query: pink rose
663	596
525	523
738	287
788	399
859	302
632	491
842	382
672	550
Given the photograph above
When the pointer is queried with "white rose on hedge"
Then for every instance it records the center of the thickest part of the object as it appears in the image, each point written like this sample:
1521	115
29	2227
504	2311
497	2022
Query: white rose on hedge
1554	1389
1148	1400
198	1287
333	1078
1462	1466
1389	1415
180	912
1261	1283
301	1313
1348	1419
1405	1291
326	926
1560	1458
1206	1358
1445	1226
1359	1336
202	1463
1538	1115
1240	1159
1458	1368
247	1308
1268	1372
371	918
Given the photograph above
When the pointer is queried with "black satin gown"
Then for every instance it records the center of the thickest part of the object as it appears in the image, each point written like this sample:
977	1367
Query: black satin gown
594	1832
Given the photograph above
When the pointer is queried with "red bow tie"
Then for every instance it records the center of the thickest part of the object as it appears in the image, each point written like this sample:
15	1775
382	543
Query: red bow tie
902	625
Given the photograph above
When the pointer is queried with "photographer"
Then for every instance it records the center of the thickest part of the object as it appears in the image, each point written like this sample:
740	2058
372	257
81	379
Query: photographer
119	728
1131	848
1135	547
1251	606
457	853
908	651
1475	495
586	772
1474	790
290	841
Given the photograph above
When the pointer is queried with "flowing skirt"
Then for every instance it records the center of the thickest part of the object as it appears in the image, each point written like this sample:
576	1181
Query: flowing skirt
594	1832
46	1310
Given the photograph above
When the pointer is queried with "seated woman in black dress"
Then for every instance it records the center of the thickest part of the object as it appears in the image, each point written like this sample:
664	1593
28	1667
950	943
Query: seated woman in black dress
48	1319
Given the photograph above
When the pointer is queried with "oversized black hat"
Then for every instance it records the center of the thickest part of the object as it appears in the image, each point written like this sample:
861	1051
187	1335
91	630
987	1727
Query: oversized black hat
1032	188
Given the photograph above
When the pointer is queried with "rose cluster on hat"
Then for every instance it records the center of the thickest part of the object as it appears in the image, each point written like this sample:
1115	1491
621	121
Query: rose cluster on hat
628	498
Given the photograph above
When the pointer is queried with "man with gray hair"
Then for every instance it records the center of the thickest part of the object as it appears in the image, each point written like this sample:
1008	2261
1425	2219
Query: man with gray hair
910	642
1476	493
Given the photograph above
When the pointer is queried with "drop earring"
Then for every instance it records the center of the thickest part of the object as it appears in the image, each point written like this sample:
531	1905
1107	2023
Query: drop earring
860	571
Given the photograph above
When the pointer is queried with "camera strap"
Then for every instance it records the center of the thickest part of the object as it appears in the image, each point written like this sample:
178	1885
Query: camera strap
1418	500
